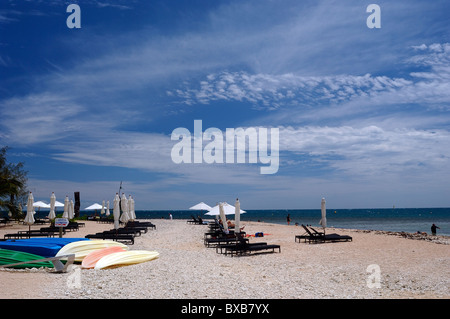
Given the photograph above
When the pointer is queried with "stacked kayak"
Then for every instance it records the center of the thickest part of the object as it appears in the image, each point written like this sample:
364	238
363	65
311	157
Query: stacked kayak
101	254
82	248
125	258
45	247
91	253
9	257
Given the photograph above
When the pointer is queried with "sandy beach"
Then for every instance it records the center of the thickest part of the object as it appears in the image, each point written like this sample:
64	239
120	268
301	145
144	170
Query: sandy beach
186	269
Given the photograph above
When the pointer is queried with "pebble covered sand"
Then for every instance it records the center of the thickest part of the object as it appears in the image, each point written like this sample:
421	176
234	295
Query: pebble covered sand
186	269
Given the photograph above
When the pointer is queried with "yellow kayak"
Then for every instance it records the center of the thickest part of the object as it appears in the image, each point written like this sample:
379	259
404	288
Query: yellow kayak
82	248
125	258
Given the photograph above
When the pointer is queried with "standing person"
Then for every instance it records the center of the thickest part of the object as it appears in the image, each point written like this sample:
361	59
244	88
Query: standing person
288	219
433	229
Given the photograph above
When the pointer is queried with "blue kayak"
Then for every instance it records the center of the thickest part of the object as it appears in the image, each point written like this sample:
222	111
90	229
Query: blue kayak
46	247
46	240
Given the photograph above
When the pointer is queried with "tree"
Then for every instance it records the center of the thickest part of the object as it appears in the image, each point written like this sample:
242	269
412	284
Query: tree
13	180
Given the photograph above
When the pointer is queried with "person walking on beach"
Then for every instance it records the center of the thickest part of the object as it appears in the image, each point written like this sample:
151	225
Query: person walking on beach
288	218
433	229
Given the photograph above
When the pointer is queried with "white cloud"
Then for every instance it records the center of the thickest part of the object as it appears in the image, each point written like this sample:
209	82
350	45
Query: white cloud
371	151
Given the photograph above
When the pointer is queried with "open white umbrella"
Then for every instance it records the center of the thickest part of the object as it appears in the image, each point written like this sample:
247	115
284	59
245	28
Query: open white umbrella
227	208
125	217
237	216
116	211
52	214
66	208
201	206
41	204
29	218
58	204
222	217
94	207
107	209
323	221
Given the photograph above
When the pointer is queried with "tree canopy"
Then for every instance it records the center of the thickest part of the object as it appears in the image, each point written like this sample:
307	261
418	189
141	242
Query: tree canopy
13	180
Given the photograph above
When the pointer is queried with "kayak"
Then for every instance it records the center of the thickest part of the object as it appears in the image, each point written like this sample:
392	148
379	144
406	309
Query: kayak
126	258
82	248
93	257
8	257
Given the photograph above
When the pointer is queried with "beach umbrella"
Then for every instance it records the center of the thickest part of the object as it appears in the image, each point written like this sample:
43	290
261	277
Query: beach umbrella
71	210
201	206
227	208
116	211
222	217
103	208
107	209
52	214
66	207
237	216
125	217
29	218
131	211
41	204
58	204
323	221
94	207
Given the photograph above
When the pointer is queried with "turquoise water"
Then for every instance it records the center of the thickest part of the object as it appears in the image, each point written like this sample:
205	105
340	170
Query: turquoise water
402	219
399	219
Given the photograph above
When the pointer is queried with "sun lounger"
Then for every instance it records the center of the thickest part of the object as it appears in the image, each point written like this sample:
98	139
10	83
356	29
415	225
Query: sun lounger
125	238
222	249
213	242
195	221
314	236
105	220
28	234
139	228
129	231
136	223
242	248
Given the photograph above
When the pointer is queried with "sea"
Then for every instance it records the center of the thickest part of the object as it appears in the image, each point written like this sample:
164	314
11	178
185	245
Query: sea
410	220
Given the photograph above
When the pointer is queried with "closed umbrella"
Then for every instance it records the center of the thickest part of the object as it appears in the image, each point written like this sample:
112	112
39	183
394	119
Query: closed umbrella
323	221
29	218
237	216
222	217
66	207
116	211
125	217
71	210
131	211
52	214
107	209
103	208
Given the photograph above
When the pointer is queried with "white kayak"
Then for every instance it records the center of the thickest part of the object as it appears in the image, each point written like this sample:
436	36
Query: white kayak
125	258
82	248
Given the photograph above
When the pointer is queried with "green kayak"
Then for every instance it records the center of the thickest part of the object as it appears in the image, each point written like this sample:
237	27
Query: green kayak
8	257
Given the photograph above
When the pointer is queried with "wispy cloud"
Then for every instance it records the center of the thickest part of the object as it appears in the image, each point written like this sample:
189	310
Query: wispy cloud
289	90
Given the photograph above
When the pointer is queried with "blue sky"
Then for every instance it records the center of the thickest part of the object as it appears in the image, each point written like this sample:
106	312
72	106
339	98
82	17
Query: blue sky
363	114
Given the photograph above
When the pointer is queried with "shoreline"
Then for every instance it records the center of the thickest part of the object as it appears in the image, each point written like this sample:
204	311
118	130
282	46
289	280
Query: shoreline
186	269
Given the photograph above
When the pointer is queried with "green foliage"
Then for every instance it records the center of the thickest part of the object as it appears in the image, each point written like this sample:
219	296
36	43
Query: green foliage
13	180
